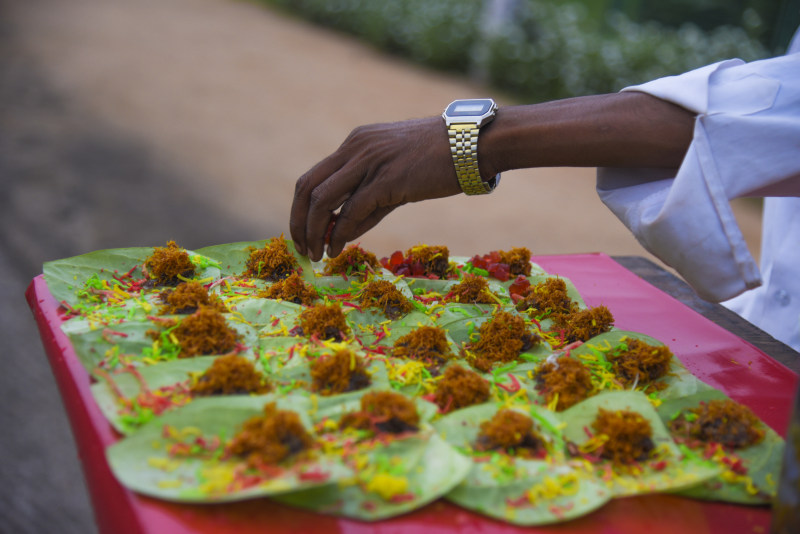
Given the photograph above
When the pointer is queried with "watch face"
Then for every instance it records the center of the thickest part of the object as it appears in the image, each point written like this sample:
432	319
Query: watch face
469	108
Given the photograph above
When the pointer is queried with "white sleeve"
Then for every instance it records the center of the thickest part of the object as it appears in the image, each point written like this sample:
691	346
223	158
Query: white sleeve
746	143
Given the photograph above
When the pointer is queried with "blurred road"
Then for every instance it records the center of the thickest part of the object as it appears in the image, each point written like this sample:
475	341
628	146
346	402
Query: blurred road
126	123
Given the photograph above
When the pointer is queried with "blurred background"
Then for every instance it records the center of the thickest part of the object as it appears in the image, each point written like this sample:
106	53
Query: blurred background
132	122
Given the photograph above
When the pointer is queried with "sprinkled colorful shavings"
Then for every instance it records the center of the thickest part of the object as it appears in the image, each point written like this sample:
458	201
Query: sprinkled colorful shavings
284	349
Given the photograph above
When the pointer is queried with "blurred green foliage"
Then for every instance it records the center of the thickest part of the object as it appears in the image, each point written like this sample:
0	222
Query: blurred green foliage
542	50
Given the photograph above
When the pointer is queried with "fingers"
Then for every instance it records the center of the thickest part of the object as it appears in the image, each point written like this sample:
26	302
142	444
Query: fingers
377	168
302	200
358	215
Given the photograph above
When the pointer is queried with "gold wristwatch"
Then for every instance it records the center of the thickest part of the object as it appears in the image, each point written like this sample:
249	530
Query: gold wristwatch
464	119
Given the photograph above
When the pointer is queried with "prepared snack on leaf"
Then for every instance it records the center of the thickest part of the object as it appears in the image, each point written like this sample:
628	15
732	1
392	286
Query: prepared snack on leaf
458	388
501	339
230	374
720	421
635	363
168	264
627	436
545	298
563	381
383	412
422	260
385	296
187	297
204	332
273	262
293	289
582	325
269	439
353	260
502	265
339	372
512	432
325	321
472	289
518	260
427	344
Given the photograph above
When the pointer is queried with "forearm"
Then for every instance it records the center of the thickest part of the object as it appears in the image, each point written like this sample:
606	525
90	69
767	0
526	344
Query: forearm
616	130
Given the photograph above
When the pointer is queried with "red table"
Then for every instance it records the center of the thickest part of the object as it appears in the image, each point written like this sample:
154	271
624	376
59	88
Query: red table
714	354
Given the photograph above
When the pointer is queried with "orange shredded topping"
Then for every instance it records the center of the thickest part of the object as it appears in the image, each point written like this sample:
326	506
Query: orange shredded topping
230	375
721	421
293	289
383	412
271	438
546	297
629	436
459	388
583	325
187	297
518	260
384	295
353	260
168	263
566	378
434	259
340	372
273	262
326	321
472	289
205	332
512	432
427	344
502	339
641	363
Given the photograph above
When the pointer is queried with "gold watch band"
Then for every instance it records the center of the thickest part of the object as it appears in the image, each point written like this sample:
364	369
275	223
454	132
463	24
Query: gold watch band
464	147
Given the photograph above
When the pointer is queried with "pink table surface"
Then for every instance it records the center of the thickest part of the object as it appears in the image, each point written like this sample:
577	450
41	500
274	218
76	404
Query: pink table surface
715	355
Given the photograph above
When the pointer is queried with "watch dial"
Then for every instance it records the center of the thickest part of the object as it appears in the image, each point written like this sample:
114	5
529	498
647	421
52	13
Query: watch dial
469	108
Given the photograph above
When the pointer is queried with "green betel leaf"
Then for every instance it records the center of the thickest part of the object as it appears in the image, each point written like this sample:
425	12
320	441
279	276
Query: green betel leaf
297	378
134	342
668	468
461	427
265	312
519	490
572	291
453	313
181	456
376	331
594	354
167	384
750	475
115	345
335	406
349	284
678	381
67	276
394	480
232	258
551	494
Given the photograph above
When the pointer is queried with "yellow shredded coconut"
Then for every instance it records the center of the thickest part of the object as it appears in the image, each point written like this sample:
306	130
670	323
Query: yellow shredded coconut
553	487
387	486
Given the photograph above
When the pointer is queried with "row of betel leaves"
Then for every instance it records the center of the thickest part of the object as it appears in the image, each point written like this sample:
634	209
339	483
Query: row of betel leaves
178	445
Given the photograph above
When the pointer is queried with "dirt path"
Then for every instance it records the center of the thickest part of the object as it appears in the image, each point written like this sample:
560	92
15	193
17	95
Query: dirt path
130	122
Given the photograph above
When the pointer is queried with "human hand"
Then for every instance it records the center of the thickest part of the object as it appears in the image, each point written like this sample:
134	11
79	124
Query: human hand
378	168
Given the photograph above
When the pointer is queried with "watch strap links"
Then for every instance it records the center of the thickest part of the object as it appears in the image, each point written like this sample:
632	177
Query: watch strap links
464	148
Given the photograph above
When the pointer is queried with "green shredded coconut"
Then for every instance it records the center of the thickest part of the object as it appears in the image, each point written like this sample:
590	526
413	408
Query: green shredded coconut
202	262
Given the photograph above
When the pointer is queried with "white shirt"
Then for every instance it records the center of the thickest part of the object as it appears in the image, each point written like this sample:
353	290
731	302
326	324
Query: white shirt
746	143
